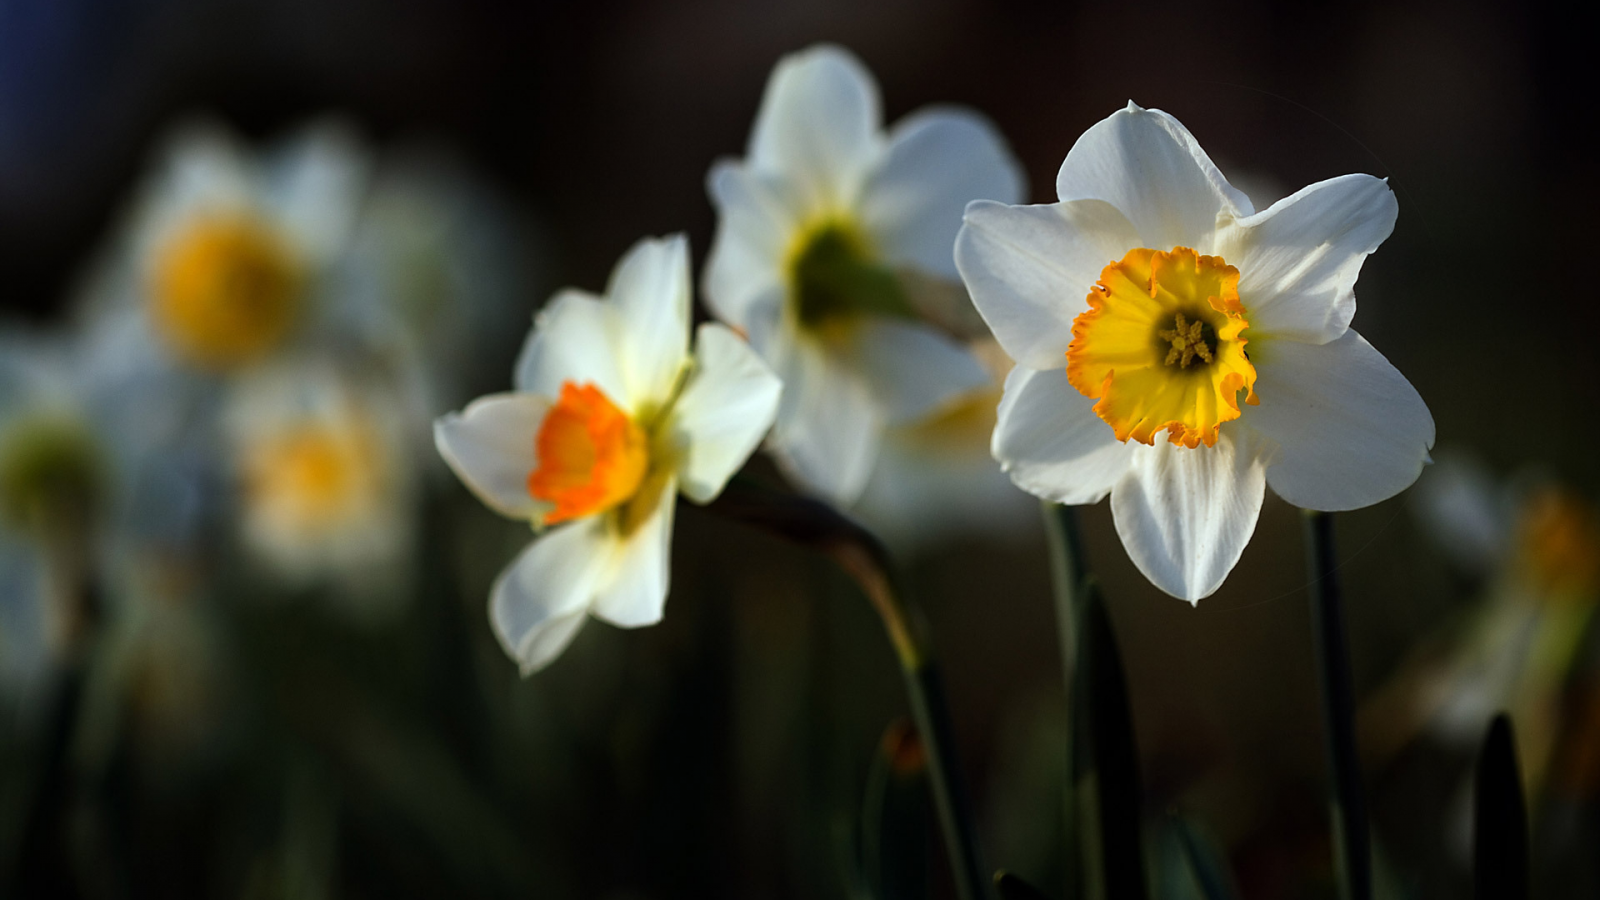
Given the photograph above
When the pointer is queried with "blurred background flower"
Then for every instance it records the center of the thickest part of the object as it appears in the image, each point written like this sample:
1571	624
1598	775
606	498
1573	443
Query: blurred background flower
834	234
502	150
324	479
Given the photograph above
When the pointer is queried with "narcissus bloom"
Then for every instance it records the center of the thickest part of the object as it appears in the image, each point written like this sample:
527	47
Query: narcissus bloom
325	479
1146	305
833	254
225	257
611	418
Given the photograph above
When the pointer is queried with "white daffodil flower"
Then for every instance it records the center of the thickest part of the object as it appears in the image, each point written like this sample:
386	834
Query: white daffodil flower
832	253
325	479
223	259
1128	307
611	418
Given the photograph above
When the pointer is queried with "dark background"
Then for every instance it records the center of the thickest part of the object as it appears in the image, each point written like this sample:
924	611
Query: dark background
601	119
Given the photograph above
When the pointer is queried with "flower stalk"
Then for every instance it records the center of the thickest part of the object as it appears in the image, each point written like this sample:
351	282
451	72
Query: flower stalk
864	559
1067	573
1352	846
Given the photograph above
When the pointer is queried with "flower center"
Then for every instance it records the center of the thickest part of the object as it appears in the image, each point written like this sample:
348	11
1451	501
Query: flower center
1189	340
225	291
834	278
314	474
48	465
592	457
1162	347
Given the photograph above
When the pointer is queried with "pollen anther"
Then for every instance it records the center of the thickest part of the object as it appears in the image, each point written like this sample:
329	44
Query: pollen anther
1187	343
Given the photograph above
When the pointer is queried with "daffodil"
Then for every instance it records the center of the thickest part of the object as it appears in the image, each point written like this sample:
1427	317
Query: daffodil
832	254
611	418
224	259
325	478
1535	548
1180	352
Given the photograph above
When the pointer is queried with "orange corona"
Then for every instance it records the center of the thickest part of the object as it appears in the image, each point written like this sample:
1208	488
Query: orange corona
592	457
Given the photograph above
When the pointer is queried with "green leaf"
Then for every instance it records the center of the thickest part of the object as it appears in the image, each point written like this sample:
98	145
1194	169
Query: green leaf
1499	819
896	817
1105	761
1010	887
1197	860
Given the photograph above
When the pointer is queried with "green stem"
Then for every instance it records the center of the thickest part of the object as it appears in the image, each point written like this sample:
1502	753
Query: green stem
864	559
1067	573
1352	844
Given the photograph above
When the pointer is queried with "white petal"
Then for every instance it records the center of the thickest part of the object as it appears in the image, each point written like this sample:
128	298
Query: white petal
548	640
910	368
203	166
1147	165
317	182
1351	430
636	591
938	160
1298	261
649	296
574	338
935	480
491	447
829	425
1049	440
534	602
1029	269
754	228
818	125
727	406
1185	515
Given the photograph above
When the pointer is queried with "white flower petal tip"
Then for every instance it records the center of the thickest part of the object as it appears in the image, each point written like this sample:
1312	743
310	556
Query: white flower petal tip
1147	165
728	405
1185	516
490	446
1096	407
650	298
818	122
1299	259
1351	431
538	603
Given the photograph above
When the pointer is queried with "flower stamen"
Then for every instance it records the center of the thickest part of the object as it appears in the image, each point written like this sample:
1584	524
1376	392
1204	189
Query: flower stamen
1187	343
